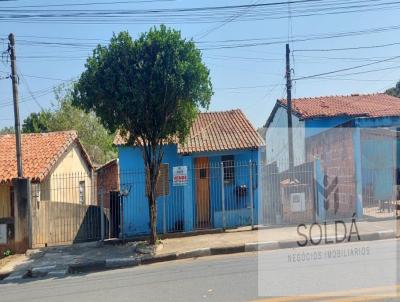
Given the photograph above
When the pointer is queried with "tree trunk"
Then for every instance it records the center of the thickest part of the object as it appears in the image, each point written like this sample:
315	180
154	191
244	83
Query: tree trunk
152	198
153	218
152	157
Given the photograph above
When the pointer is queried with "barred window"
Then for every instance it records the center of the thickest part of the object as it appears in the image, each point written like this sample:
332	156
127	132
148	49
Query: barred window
82	192
229	168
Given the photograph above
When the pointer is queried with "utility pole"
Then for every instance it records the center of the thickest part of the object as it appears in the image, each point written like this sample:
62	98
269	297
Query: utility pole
289	110
14	77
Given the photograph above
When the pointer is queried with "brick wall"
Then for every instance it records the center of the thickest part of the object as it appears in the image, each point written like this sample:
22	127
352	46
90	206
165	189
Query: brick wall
335	150
108	180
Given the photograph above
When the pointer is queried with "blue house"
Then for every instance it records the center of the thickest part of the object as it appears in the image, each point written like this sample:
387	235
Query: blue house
209	181
353	142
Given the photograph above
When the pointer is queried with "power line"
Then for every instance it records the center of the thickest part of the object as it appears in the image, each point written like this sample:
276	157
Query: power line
354	80
189	9
305	39
344	69
247	87
87	4
26	99
46	78
227	44
281	38
228	20
37	93
29	91
347	48
371	70
210	14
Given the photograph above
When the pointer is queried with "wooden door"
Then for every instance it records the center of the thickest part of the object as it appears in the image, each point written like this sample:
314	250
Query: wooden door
202	192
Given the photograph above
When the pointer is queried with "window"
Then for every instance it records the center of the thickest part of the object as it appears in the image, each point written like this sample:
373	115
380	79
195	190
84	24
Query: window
36	191
203	173
82	192
229	168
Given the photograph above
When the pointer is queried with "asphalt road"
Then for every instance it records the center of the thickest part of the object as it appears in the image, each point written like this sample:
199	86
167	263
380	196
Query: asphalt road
227	278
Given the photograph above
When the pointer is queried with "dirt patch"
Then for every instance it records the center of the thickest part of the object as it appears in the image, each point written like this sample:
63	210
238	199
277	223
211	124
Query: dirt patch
4	261
9	263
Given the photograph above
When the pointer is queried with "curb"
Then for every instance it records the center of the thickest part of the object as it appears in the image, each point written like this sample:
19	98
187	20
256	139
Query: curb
41	271
115	263
86	267
228	249
388	234
261	246
203	252
194	253
148	259
18	275
121	262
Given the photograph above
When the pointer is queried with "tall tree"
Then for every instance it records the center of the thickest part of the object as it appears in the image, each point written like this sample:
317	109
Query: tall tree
150	89
37	122
64	116
395	91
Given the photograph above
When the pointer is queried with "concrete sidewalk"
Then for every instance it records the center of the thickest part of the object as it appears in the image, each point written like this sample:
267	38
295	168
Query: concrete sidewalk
59	261
277	234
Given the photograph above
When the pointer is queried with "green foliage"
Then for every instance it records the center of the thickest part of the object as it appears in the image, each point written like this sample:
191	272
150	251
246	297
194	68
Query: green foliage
37	122
152	88
395	91
7	130
7	252
64	116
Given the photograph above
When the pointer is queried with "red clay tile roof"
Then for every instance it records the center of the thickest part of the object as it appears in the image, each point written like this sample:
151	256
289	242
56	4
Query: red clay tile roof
356	105
40	151
218	131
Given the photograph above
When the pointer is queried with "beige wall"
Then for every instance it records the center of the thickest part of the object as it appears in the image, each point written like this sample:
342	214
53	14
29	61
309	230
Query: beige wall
5	206
63	183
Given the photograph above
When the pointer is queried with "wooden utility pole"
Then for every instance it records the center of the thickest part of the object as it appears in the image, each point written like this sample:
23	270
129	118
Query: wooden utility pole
289	109
14	77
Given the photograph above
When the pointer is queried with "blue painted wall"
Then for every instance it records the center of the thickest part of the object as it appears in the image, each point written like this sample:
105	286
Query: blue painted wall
179	205
374	162
136	210
318	125
389	121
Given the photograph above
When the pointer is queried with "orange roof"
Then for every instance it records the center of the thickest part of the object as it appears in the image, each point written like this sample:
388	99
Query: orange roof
355	105
217	131
40	151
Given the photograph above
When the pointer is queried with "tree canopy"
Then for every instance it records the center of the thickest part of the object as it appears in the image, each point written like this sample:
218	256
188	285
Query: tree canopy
150	89
64	116
395	91
38	122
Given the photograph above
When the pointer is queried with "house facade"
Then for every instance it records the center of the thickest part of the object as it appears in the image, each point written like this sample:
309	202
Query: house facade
204	182
57	166
107	177
353	140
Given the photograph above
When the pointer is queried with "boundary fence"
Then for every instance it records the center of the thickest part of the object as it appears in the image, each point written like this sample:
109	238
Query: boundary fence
73	207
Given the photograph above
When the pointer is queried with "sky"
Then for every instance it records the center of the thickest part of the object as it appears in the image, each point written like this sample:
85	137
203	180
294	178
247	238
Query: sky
244	47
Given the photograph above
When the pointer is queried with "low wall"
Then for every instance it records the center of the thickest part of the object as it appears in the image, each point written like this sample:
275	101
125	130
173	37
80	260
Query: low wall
56	223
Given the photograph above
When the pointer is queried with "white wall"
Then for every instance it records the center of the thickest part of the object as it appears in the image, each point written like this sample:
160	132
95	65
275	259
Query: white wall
276	139
62	184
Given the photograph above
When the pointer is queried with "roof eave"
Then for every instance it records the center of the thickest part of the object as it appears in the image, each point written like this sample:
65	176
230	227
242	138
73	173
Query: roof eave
273	112
186	153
